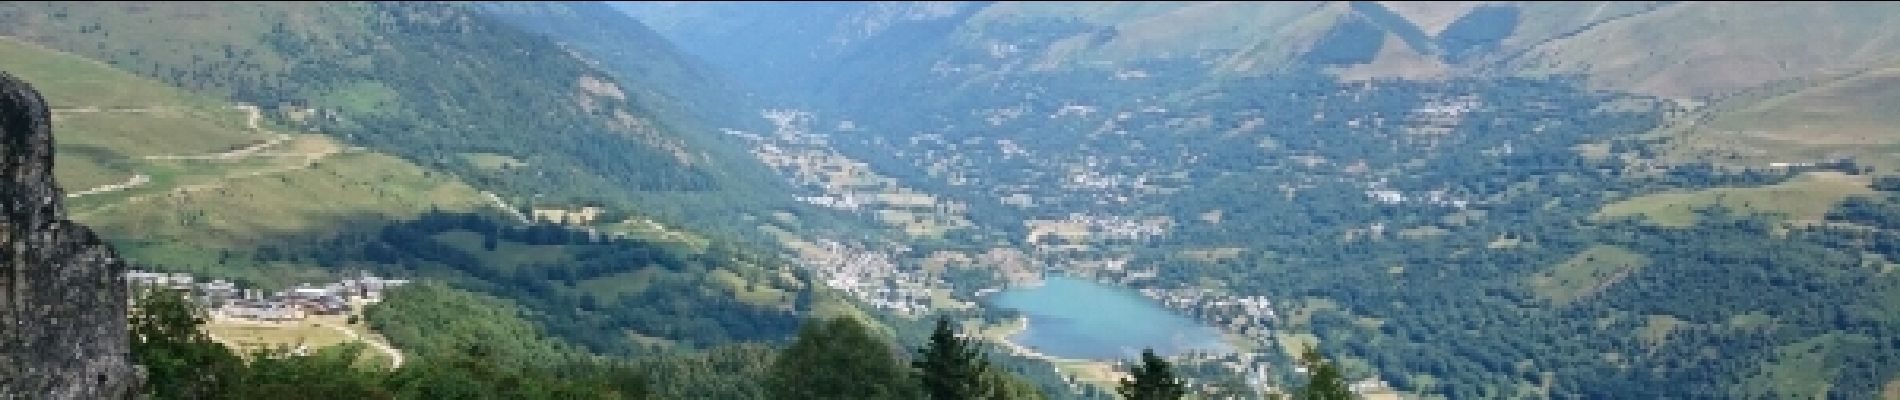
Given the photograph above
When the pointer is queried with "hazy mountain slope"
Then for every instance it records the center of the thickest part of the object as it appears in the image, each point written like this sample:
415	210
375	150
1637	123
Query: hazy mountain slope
778	37
1697	49
697	101
660	77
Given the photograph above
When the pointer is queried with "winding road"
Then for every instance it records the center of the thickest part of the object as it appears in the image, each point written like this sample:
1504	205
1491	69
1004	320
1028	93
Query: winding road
253	121
395	357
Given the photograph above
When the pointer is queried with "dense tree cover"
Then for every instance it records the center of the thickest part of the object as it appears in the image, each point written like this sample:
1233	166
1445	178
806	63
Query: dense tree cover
839	358
180	361
736	371
430	319
515	94
659	76
1152	378
677	293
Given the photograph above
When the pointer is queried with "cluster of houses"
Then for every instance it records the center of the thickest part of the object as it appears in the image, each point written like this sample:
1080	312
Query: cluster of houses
872	277
807	159
1078	231
225	300
1435	197
578	217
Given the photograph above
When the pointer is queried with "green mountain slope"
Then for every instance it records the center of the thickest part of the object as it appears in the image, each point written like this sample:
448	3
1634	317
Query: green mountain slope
685	93
662	78
184	181
430	82
194	209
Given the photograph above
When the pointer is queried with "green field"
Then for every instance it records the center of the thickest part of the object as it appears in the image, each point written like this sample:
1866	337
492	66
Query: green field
507	254
1585	274
1293	344
315	332
1805	198
1657	328
750	292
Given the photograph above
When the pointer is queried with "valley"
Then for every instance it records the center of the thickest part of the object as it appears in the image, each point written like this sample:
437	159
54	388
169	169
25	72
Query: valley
1377	185
724	199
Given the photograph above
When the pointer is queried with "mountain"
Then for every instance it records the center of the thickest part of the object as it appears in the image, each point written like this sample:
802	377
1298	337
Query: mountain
184	180
697	103
761	44
663	78
523	165
1646	47
64	317
1467	199
437	84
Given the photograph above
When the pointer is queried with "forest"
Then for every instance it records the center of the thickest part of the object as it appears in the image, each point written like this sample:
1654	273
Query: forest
503	357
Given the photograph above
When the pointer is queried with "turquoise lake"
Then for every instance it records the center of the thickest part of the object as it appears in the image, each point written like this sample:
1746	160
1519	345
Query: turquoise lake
1078	318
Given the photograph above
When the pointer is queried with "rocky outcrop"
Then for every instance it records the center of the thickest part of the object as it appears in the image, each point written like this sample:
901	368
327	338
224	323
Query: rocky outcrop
62	302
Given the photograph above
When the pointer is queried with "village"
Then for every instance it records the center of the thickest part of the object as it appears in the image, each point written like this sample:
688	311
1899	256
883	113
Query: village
223	300
299	319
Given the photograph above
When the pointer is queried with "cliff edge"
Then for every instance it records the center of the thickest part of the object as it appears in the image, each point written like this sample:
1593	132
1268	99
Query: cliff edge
62	299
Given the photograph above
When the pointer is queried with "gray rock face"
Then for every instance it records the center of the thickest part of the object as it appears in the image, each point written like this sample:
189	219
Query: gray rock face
62	302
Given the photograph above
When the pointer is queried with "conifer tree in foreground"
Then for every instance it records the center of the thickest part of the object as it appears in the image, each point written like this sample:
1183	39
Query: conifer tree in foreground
1323	379
952	368
1153	379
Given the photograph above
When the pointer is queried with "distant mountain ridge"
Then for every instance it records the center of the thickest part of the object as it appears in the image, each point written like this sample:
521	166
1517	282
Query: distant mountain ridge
1717	47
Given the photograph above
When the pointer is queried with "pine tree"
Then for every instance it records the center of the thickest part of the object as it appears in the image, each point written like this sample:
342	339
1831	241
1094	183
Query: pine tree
838	359
951	368
1153	379
1324	381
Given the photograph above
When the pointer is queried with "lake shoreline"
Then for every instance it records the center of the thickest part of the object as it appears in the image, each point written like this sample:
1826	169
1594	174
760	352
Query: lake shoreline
1098	372
1081	319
